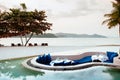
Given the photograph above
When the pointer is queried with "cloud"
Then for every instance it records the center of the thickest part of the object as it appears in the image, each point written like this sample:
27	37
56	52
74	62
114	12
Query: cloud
62	8
2	8
75	8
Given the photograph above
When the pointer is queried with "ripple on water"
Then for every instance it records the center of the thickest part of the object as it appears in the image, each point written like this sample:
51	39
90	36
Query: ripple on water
12	67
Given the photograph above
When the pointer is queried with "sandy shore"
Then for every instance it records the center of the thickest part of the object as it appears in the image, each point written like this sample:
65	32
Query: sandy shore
18	52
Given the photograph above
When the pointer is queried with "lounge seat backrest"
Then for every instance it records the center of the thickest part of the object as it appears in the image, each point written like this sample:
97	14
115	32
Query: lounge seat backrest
78	56
44	59
111	55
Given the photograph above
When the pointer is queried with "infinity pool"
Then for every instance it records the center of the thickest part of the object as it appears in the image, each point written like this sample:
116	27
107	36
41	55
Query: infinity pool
13	70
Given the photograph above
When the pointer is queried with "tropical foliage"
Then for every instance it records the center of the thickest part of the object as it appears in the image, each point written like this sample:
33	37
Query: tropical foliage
20	22
113	17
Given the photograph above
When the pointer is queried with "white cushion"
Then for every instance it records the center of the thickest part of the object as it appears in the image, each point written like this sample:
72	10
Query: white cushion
94	57
100	57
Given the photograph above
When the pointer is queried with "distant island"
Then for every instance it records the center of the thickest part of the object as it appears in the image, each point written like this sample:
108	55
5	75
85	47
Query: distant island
68	35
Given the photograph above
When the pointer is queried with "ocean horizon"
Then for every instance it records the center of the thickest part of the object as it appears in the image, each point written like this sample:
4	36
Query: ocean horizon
64	41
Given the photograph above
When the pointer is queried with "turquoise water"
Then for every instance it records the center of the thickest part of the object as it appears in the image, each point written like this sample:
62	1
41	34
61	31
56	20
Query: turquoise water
13	70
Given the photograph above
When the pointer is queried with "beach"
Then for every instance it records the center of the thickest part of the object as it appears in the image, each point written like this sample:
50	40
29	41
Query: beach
19	52
56	45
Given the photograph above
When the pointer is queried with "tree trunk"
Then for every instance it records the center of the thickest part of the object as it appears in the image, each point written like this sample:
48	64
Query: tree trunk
29	39
25	38
21	40
119	30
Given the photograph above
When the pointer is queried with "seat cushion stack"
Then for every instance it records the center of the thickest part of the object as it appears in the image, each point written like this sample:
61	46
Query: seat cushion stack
44	59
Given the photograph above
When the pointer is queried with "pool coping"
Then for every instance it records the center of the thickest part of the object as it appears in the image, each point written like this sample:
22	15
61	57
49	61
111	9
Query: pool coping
27	64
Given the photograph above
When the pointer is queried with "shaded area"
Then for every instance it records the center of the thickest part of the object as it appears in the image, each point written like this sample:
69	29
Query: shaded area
115	73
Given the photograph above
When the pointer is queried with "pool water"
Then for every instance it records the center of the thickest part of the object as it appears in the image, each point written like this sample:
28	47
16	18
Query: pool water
13	70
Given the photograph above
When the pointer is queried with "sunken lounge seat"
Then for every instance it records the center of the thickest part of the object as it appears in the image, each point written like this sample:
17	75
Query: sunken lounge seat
74	60
77	61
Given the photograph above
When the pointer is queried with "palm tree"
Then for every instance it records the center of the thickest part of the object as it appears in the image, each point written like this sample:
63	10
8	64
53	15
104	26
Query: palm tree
118	1
23	6
113	17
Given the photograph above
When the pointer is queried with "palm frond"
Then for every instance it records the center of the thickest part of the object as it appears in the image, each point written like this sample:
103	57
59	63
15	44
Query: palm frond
23	6
113	17
112	24
115	5
114	14
106	21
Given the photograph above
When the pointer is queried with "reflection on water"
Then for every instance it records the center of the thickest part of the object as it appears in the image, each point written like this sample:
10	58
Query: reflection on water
115	73
93	73
13	70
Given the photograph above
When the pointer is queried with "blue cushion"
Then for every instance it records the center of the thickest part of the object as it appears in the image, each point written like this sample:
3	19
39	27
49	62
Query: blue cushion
75	62
67	62
39	59
83	60
108	61
111	55
48	59
43	59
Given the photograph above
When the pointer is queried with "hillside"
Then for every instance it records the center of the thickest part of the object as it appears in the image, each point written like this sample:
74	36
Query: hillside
79	35
68	35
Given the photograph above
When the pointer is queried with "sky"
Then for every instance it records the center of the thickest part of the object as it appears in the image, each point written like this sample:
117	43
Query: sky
71	16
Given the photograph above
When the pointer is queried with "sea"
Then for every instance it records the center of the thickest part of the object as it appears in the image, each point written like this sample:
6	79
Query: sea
64	41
